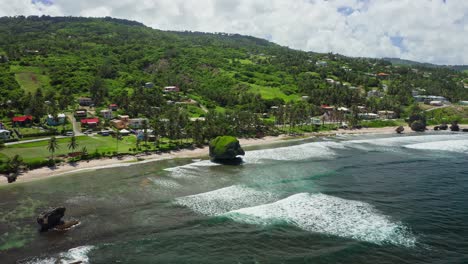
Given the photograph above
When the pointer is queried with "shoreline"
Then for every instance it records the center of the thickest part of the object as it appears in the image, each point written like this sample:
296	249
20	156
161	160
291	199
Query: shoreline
104	163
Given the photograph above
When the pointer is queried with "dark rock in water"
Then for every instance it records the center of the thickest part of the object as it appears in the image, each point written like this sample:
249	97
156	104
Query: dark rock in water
67	225
443	126
232	162
12	177
225	149
418	126
455	127
465	130
436	128
51	219
400	129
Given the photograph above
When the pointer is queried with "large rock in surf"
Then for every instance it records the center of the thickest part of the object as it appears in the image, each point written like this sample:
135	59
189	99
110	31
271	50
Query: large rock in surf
52	219
444	126
225	149
400	129
418	126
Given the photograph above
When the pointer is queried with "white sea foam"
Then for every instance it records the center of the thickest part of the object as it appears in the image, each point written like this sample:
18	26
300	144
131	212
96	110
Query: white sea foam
402	140
165	183
446	145
323	149
328	215
226	199
71	256
191	170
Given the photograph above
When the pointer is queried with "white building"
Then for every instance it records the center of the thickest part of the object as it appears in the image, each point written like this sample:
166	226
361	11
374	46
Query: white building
106	114
137	122
368	116
4	134
171	89
60	120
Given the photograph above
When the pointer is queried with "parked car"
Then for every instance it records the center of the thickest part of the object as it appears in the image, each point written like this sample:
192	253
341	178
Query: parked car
89	131
69	134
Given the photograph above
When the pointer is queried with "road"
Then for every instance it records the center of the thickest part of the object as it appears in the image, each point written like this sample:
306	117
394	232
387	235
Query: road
76	130
31	140
435	108
76	127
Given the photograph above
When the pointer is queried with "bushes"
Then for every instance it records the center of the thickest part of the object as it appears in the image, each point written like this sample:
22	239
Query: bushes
380	123
42	163
41	134
10	140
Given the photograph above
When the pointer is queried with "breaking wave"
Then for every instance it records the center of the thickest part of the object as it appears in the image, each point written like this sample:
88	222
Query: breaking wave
191	170
447	145
226	199
74	255
322	149
328	215
402	140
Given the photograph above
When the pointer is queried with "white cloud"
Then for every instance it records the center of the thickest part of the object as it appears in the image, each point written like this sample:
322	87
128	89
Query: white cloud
427	30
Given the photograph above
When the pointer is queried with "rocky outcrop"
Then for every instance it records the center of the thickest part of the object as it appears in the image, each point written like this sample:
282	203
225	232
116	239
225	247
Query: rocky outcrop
418	126
443	126
12	177
400	129
52	219
226	149
455	127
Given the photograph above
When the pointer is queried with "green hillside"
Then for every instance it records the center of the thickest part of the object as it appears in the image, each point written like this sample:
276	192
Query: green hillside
59	59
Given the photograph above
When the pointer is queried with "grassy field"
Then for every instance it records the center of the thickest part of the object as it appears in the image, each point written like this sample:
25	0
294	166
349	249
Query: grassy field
447	115
30	78
272	92
38	150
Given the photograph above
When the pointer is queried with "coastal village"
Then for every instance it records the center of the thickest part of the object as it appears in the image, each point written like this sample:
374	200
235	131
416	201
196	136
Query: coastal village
334	133
249	94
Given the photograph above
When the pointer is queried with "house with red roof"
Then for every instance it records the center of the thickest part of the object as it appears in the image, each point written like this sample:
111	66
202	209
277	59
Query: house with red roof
90	122
22	120
382	75
113	107
327	107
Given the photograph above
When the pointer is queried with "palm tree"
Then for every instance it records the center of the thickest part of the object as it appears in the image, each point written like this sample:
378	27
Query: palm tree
52	146
145	131
14	164
73	144
118	136
84	153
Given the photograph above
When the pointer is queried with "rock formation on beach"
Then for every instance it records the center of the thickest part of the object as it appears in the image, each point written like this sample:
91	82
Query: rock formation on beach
226	149
418	126
455	127
400	129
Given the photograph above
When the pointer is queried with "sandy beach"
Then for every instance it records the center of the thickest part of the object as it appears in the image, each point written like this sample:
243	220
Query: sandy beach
66	168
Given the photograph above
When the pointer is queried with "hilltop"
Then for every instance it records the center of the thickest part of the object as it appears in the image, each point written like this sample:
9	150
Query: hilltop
398	61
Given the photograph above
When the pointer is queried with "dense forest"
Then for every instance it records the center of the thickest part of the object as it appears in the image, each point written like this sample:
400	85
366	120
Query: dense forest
231	77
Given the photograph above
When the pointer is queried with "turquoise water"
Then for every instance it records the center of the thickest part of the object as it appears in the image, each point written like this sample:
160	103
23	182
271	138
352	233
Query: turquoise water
348	199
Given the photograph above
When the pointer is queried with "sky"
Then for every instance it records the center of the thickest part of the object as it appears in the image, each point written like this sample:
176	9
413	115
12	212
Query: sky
434	31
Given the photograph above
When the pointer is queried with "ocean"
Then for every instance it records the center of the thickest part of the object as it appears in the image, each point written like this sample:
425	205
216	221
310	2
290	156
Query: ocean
344	199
